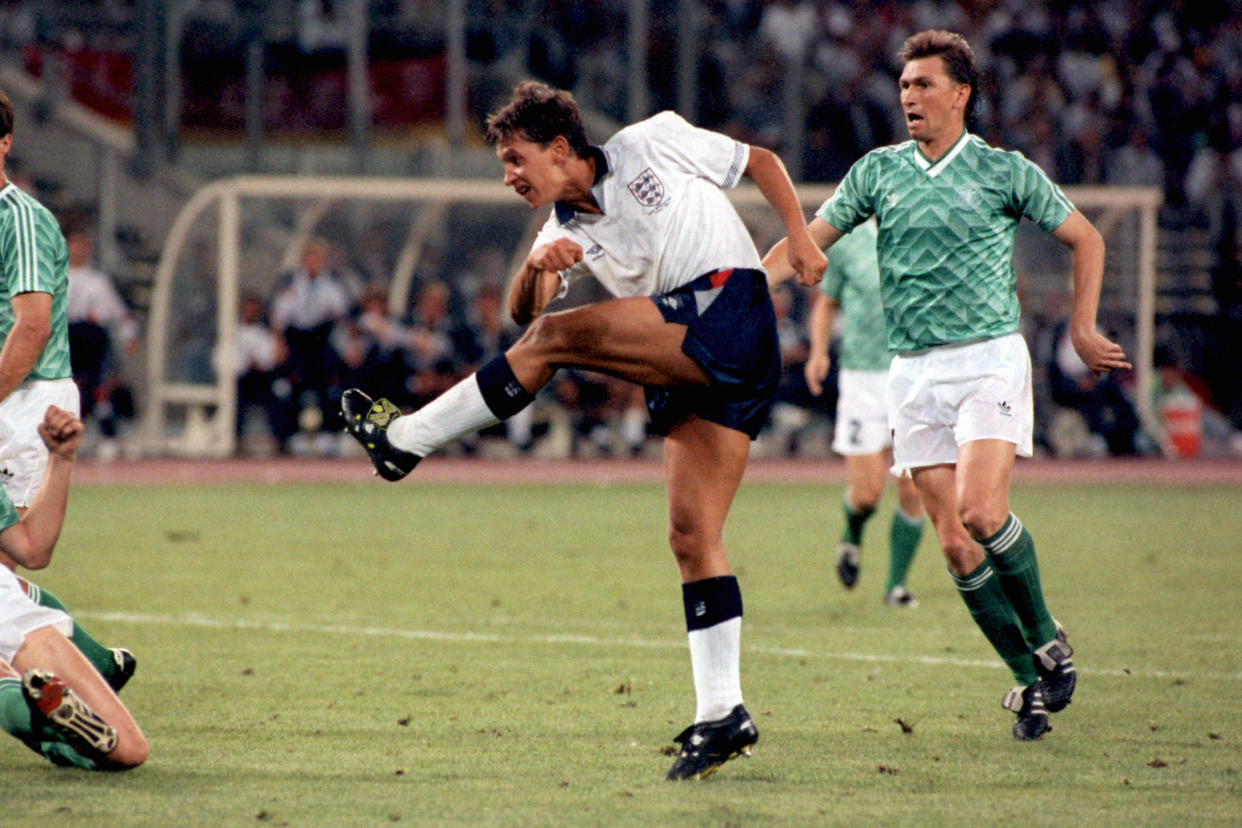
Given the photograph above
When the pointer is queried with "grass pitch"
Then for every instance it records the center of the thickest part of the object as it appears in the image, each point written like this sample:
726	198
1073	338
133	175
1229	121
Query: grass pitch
426	654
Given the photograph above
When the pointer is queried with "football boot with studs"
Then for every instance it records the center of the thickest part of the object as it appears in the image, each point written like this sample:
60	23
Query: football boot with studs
367	421
51	699
849	562
1028	703
1056	670
705	746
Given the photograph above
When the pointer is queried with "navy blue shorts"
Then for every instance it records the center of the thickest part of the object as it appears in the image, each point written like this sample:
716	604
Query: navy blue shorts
731	334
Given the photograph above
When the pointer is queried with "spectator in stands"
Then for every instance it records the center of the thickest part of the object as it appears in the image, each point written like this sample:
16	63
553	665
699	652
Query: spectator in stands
373	346
1099	398
1171	97
1215	170
1225	233
489	336
1041	147
307	307
374	256
1176	386
434	334
1135	164
487	265
485	337
259	352
589	400
1081	160
99	322
352	278
192	328
794	403
788	26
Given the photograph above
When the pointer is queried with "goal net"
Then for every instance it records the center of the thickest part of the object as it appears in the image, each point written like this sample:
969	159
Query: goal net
239	234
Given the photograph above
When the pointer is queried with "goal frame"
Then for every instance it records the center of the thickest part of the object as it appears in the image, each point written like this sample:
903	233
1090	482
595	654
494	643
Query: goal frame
211	407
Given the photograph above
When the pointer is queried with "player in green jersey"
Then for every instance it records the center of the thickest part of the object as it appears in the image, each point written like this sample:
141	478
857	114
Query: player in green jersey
948	206
34	363
851	286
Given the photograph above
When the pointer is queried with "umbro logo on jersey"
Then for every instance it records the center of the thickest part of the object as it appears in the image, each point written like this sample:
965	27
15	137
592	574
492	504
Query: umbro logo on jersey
647	188
1004	408
892	199
969	196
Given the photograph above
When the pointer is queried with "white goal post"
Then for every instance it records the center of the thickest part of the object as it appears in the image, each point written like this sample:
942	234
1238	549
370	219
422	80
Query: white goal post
196	416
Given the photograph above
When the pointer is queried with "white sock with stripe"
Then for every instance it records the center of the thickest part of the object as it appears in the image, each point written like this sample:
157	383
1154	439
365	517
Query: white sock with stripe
455	413
714	656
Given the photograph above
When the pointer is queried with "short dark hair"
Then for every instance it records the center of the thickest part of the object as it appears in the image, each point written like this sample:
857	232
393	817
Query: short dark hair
539	113
952	48
6	115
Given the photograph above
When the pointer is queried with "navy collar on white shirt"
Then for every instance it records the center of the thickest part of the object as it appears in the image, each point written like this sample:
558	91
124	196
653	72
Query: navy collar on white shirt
565	213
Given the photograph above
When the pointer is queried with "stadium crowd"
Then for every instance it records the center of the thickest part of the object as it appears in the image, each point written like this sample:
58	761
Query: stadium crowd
1134	92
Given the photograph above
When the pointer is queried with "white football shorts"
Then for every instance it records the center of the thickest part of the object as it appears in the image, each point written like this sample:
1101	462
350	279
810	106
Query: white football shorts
19	616
862	413
23	457
953	394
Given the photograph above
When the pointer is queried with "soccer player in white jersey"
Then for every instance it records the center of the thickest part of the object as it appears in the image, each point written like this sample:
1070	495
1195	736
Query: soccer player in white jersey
948	206
851	287
692	322
34	363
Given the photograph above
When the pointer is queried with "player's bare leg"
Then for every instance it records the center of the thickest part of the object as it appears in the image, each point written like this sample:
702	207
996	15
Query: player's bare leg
115	664
46	649
703	466
985	468
867	474
904	536
626	338
977	583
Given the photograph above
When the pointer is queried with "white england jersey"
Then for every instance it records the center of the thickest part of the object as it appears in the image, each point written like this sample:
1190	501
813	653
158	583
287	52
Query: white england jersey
665	218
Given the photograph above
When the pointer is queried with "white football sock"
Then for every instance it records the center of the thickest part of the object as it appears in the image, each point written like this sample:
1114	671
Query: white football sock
714	656
458	411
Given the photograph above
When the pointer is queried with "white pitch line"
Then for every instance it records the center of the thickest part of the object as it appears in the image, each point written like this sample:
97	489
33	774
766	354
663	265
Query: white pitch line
433	635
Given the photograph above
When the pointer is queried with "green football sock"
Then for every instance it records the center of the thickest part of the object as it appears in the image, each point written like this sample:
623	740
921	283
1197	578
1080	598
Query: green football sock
16	719
903	542
989	606
97	654
1012	553
60	753
854	522
15	715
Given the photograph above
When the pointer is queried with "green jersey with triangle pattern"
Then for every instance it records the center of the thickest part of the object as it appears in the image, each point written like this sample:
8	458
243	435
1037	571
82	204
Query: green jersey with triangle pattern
946	235
34	257
853	281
